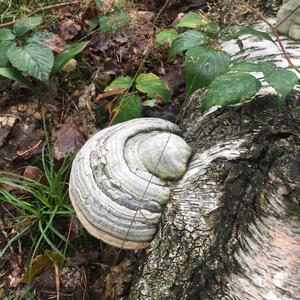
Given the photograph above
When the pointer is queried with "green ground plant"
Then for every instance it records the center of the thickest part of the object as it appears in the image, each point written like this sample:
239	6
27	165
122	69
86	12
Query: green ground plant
129	105
44	201
23	54
209	68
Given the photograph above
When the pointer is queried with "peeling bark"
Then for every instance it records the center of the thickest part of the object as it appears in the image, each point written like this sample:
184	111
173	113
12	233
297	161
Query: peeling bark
231	229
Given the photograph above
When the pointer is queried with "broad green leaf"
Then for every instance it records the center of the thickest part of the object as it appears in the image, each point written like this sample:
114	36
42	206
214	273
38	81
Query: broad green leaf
202	65
166	37
18	77
237	31
247	66
283	81
62	58
153	86
120	82
4	46
39	37
197	21
128	107
187	40
230	89
26	24
6	35
35	59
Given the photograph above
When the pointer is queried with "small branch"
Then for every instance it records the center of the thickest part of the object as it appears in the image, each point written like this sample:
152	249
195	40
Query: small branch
53	6
286	55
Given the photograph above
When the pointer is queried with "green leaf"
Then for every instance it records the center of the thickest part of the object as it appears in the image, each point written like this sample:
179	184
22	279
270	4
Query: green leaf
4	46
187	40
26	24
202	65
153	86
120	82
37	37
166	37
128	107
246	66
6	35
237	31
283	81
34	59
18	77
230	89
197	21
62	58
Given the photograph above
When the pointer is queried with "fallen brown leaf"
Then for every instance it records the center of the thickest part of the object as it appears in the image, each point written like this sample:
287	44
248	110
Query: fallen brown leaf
68	140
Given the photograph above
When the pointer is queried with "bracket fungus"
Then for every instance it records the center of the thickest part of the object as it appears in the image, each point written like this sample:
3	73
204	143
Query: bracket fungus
119	179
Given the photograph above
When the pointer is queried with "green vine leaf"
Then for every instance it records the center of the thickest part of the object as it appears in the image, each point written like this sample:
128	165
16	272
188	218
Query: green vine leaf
4	46
187	40
153	86
26	24
202	65
128	107
113	22
124	82
166	37
283	81
34	59
197	21
6	35
230	89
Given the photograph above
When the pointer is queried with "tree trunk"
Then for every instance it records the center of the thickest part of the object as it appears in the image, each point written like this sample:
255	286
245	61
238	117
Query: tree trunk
231	229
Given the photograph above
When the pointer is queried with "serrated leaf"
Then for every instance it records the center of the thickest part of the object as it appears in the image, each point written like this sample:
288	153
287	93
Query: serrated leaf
26	24
187	40
6	35
283	81
237	31
230	89
153	86
18	77
202	65
120	82
247	66
35	59
197	21
62	58
127	108
4	46
166	37
39	37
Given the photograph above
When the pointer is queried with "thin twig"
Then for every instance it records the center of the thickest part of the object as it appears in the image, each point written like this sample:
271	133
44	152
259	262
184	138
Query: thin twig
53	6
286	55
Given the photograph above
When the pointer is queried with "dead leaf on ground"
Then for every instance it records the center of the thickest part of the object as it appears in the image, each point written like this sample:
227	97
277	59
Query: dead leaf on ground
114	92
6	125
32	172
25	140
55	43
69	29
69	139
40	264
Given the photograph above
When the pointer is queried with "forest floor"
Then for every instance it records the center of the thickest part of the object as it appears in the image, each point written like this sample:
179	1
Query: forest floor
44	251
